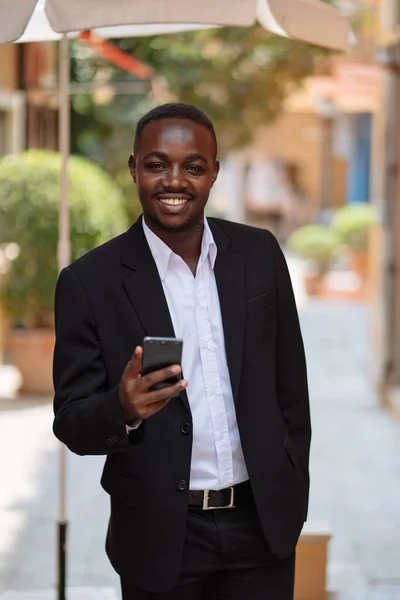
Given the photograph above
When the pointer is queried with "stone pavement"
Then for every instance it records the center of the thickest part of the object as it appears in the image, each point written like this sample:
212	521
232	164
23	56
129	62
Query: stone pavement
355	469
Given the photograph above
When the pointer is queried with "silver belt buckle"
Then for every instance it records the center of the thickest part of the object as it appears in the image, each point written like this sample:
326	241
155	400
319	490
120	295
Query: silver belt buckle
206	499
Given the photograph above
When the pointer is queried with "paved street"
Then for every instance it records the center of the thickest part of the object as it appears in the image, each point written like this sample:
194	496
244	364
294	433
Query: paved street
355	465
355	478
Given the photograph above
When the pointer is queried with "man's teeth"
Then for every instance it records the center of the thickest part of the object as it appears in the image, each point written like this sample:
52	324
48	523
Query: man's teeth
173	201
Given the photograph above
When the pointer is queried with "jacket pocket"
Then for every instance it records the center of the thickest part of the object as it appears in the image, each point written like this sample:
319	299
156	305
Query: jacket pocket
124	489
258	303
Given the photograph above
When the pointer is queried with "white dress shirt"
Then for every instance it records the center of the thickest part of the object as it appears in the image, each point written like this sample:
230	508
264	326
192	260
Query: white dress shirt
193	302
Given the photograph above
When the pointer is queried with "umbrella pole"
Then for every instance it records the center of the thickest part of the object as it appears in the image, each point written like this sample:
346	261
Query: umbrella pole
64	259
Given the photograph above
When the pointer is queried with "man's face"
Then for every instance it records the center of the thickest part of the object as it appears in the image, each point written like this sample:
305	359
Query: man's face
174	169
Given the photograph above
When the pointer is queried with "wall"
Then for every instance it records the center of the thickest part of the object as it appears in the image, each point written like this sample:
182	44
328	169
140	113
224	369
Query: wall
296	138
9	67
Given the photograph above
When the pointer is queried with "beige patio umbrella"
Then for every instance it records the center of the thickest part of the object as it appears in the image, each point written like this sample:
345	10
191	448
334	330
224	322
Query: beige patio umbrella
311	21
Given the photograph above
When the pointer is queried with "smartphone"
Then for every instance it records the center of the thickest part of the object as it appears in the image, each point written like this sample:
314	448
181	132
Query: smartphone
159	352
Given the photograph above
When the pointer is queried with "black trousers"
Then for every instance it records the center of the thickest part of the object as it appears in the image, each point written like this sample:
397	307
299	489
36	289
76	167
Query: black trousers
226	557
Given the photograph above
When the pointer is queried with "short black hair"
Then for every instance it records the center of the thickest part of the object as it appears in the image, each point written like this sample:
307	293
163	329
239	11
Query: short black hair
175	110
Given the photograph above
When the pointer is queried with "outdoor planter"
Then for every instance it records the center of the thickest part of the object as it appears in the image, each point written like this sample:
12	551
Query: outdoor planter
313	285
31	351
359	264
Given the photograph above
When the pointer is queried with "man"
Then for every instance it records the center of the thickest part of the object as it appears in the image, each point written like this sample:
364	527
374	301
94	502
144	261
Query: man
208	478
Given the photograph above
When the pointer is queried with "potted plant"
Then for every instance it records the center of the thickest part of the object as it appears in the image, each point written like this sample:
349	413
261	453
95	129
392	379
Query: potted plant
319	245
29	205
353	224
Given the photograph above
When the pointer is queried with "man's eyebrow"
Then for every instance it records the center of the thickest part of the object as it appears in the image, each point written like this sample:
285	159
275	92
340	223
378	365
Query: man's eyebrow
193	156
155	154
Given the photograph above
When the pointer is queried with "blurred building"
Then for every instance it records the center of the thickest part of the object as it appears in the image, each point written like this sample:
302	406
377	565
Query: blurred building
28	97
12	103
385	255
323	138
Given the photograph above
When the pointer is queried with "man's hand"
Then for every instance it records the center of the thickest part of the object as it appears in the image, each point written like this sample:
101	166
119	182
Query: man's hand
136	400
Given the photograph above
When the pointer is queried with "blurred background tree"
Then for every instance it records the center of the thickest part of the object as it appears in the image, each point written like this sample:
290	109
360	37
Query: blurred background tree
239	77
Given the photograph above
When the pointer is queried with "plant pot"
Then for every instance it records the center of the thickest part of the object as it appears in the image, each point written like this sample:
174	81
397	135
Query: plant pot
4	328
31	351
359	264
313	284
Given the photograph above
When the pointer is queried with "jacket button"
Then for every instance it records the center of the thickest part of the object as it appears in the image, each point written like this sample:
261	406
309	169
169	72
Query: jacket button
183	485
186	428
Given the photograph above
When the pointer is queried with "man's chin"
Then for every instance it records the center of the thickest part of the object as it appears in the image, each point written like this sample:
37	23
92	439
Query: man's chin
177	224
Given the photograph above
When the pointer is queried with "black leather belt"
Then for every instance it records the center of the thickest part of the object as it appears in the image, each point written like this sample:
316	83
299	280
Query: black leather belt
235	496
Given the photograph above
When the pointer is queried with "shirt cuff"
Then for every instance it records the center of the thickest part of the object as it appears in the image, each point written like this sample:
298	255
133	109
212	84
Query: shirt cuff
133	425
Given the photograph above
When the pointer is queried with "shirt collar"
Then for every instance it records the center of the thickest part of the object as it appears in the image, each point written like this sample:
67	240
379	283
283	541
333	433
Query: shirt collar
162	253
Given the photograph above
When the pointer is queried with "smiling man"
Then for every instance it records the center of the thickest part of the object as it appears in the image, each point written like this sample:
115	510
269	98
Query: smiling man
208	477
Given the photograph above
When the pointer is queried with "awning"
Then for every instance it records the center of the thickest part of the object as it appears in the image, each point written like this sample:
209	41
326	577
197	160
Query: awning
312	21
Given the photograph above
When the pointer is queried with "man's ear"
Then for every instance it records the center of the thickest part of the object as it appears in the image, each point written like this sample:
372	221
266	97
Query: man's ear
132	166
216	171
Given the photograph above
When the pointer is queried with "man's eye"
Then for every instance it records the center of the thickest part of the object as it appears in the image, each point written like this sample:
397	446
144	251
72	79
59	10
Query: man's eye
195	168
154	166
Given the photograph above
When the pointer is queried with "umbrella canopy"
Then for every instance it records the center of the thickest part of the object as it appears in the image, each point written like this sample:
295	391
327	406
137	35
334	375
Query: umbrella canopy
312	21
36	27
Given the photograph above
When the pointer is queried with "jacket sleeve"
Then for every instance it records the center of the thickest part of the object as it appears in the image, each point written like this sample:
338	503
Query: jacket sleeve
291	370
88	417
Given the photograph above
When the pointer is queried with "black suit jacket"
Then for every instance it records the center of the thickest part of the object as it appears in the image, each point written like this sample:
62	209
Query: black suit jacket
106	302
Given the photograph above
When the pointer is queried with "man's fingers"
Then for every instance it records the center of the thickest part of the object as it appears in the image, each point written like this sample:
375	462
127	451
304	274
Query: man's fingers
157	376
156	396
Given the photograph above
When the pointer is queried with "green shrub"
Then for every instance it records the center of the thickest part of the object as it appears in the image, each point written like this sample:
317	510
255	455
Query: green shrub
353	223
29	209
317	243
132	206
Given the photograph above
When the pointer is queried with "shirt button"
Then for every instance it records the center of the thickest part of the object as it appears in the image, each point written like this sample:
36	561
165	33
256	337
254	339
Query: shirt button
186	428
183	485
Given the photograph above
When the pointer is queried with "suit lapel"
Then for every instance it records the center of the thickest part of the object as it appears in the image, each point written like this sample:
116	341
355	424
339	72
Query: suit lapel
144	287
230	278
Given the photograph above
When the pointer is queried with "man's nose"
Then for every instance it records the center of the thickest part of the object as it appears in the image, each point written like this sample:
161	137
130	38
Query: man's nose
175	178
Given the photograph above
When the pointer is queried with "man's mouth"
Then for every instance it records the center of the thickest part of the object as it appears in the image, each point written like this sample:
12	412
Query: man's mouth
173	201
